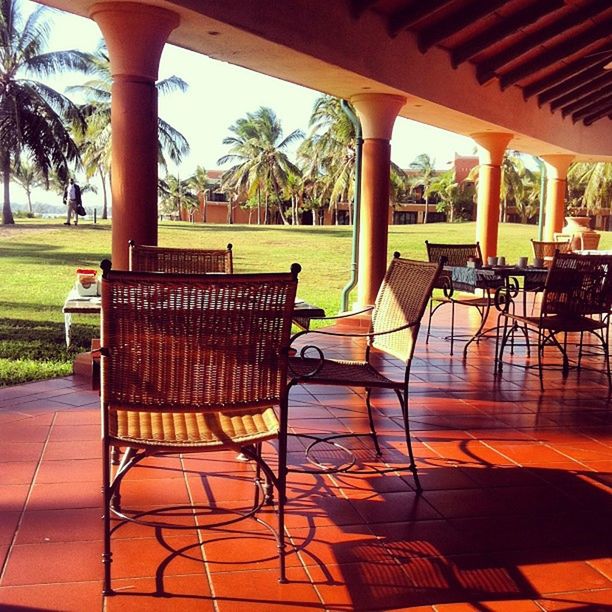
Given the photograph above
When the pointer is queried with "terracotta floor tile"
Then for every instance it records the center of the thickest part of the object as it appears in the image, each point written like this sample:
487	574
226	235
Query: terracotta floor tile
68	597
88	449
13	497
170	555
143	493
260	590
67	525
52	562
184	593
599	600
17	472
510	605
20	451
75	433
8	524
57	496
394	507
553	577
70	470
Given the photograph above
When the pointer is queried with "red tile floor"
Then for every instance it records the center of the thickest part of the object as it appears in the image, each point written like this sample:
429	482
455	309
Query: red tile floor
514	515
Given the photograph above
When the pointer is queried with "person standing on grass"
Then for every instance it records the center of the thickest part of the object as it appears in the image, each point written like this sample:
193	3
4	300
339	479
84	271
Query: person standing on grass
72	198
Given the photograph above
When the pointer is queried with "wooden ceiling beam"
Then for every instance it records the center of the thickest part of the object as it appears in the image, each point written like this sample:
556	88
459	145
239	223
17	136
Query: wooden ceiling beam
556	53
506	27
564	73
573	96
402	20
591	98
591	109
606	112
487	70
433	34
579	80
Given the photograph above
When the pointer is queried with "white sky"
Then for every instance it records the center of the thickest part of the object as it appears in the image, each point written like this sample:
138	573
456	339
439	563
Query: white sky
220	93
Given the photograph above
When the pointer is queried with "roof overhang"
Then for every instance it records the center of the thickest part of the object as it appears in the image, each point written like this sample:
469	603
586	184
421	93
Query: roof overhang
328	47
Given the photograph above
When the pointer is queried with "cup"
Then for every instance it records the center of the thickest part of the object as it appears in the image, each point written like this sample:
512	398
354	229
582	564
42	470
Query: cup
538	262
491	260
522	262
501	261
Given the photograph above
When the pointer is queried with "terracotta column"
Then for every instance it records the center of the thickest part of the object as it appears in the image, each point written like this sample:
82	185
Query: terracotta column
492	146
377	113
135	35
556	186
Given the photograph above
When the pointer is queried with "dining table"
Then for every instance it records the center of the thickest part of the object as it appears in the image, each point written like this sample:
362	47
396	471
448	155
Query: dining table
488	278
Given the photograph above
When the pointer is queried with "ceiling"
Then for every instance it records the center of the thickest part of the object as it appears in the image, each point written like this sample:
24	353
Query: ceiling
531	69
555	51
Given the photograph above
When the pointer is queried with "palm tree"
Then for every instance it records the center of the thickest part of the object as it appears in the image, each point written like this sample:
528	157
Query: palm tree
33	116
175	195
28	176
595	181
200	185
96	144
424	165
257	150
328	155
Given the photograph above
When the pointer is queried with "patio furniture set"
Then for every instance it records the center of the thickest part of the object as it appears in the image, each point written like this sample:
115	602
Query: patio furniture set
196	358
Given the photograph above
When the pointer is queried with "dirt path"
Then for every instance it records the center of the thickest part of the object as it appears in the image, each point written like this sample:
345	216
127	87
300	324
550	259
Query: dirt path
18	229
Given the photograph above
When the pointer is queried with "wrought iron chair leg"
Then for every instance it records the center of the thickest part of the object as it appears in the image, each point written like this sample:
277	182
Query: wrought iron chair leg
403	400
429	321
107	554
281	484
540	355
257	475
452	328
371	420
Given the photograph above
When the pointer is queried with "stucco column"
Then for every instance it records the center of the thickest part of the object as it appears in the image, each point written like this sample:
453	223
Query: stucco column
377	113
491	148
135	35
556	186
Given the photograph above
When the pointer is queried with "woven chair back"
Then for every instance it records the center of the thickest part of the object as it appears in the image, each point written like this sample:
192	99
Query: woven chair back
401	300
453	254
589	240
144	258
543	249
578	285
192	343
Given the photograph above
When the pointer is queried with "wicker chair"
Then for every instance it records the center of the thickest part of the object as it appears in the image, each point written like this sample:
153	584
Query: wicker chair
396	319
194	363
546	250
455	255
144	258
577	288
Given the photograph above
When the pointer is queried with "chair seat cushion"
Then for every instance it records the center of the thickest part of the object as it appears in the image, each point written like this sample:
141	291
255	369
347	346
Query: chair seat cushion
340	372
193	429
560	323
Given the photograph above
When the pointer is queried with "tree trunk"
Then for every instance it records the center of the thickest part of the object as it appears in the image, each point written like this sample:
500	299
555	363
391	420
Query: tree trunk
230	208
426	212
7	213
29	194
104	193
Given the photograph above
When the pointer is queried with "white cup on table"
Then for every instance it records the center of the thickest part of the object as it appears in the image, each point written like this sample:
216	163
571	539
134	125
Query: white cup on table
523	261
491	260
538	262
501	261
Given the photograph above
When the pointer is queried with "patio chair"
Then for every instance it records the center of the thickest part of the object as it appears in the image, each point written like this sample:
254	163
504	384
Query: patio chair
194	363
396	319
577	298
145	258
456	255
545	250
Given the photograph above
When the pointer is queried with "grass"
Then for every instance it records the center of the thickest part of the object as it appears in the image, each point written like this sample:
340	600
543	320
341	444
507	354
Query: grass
38	261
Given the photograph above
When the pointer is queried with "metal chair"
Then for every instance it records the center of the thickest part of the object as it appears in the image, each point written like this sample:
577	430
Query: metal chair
396	319
456	255
576	288
145	258
193	363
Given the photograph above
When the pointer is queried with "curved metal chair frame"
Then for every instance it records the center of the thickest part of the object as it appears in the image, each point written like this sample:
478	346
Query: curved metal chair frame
457	255
145	258
577	298
396	318
194	363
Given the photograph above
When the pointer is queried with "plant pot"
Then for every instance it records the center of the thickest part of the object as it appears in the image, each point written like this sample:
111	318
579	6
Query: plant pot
582	236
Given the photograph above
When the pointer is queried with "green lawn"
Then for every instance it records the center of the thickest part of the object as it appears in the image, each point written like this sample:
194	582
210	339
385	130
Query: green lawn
38	261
